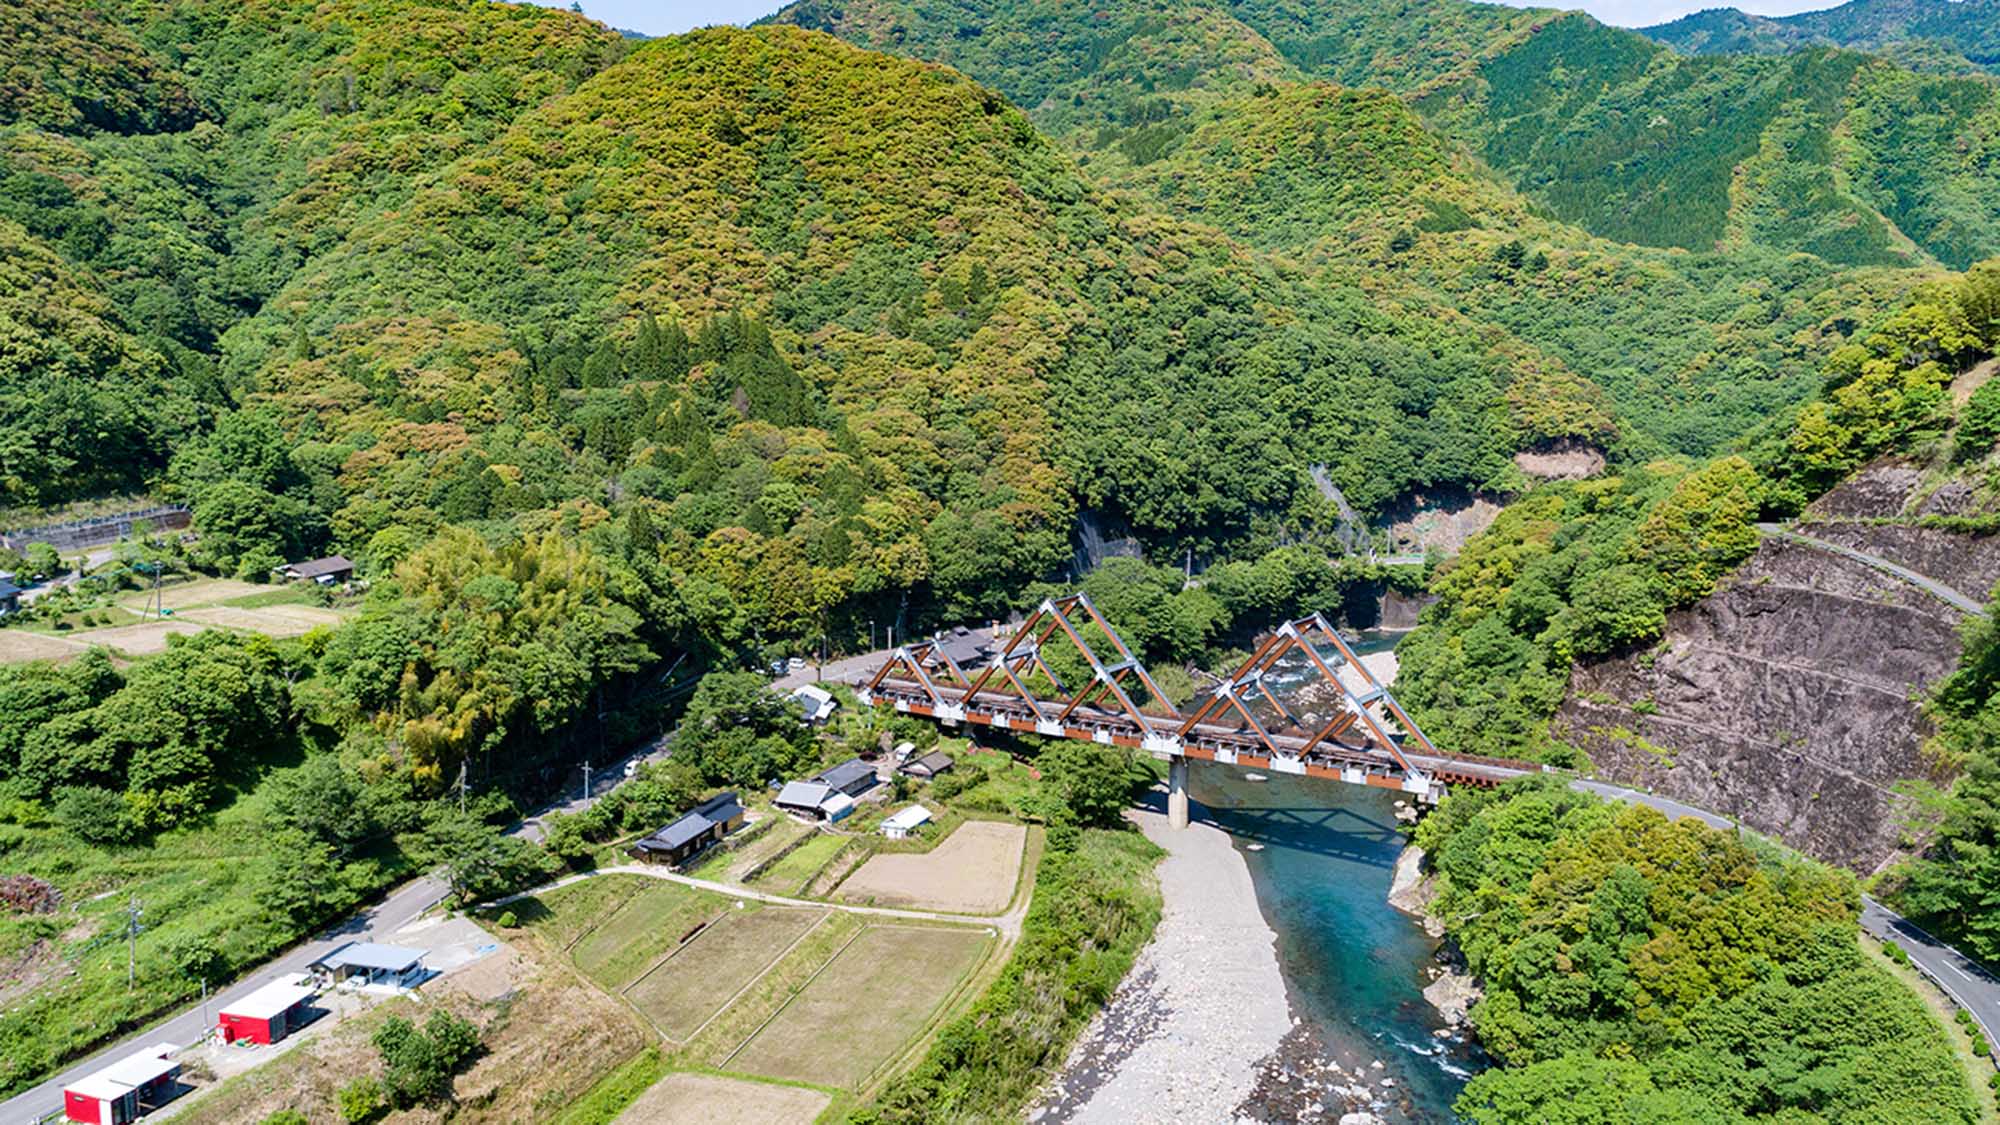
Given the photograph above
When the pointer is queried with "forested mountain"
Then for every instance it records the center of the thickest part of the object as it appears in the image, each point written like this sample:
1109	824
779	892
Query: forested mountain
1924	34
1851	158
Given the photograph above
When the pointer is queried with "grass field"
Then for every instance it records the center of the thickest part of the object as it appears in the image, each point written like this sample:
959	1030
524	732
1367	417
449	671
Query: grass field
790	874
714	1044
649	924
711	1099
563	916
864	1007
730	866
683	991
973	872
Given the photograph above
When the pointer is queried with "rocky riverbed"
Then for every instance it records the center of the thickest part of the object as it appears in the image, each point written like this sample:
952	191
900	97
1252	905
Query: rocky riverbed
1183	1037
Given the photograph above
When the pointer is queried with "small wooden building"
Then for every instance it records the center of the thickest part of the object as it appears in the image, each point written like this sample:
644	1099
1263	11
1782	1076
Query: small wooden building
930	765
696	830
327	571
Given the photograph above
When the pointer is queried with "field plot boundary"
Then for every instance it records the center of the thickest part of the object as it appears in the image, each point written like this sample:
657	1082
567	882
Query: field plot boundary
709	934
780	1010
981	942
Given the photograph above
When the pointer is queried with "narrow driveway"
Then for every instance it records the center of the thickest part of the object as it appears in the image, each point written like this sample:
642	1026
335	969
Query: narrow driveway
1929	585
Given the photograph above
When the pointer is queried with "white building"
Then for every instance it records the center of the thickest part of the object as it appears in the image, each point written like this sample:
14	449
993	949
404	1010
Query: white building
817	702
900	825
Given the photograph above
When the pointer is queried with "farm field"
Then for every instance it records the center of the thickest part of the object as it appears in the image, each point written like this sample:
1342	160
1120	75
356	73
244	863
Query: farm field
791	873
272	621
275	611
972	872
732	866
644	928
710	1099
864	1006
682	992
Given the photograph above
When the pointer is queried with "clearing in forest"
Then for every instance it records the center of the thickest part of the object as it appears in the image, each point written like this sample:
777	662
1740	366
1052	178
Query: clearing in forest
972	872
683	991
864	1007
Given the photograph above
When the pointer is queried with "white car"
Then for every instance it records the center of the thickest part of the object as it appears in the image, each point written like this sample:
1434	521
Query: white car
798	664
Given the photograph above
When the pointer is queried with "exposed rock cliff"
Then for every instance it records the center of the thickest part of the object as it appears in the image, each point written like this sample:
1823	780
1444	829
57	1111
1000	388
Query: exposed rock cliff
1790	699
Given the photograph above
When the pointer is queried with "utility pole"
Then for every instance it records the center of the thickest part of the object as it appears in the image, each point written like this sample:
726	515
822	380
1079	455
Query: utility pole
461	787
132	912
586	780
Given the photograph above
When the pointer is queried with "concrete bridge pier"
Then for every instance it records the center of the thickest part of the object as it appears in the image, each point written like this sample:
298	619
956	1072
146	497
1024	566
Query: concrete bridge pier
1177	795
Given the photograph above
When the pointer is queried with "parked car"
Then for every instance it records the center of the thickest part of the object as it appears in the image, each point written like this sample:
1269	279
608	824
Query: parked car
798	664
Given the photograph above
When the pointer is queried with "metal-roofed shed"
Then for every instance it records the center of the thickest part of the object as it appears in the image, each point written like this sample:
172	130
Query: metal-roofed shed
268	1014
901	824
377	964
125	1090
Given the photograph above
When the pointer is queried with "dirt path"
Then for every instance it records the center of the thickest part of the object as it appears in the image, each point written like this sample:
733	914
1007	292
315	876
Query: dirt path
1009	924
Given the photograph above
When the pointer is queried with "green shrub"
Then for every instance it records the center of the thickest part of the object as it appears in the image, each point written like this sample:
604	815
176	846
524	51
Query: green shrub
363	1100
287	1117
507	921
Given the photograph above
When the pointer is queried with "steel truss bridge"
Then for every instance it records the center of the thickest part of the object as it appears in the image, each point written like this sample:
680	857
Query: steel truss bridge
1303	703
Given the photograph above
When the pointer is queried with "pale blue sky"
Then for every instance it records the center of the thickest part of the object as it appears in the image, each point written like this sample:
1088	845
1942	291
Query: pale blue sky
670	17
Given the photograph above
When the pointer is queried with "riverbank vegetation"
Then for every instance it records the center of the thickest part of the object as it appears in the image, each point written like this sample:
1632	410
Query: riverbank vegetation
1641	969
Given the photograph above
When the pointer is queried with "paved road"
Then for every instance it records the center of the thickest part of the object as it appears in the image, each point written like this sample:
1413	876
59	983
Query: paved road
404	905
401	908
1923	582
1967	982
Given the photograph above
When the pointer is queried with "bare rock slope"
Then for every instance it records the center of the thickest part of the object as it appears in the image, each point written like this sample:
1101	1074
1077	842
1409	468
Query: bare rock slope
1790	699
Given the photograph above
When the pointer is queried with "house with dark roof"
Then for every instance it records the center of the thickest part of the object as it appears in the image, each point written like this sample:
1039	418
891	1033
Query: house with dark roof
697	829
852	777
326	571
930	765
814	799
10	597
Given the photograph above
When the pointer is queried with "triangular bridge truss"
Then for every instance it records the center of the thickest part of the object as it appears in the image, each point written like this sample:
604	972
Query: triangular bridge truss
1303	702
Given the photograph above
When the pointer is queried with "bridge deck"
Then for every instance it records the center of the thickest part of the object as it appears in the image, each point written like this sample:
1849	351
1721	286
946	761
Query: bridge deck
1337	761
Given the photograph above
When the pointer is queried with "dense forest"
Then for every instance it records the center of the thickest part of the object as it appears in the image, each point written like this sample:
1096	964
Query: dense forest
1641	970
1842	155
595	355
1948	36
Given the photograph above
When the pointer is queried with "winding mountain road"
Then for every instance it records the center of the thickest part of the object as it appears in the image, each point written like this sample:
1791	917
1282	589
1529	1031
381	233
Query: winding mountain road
1923	582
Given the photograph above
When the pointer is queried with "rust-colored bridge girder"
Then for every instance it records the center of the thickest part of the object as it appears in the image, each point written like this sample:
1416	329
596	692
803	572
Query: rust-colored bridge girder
1353	743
